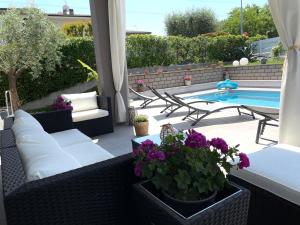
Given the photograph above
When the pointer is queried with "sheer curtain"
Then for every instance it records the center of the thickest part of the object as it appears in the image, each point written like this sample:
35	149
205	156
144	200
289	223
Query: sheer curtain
117	32
286	15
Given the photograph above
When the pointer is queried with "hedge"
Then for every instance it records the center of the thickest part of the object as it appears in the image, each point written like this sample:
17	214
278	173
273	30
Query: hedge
148	50
142	51
69	73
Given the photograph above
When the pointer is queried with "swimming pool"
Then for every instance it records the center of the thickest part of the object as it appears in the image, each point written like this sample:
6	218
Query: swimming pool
268	99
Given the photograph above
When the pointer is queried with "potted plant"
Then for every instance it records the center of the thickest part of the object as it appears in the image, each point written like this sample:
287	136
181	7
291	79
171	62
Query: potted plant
187	79
61	104
187	172
141	125
140	85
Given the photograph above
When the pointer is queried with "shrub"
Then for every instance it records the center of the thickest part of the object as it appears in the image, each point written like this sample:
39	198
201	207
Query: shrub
226	48
258	37
189	50
148	50
191	23
78	29
215	34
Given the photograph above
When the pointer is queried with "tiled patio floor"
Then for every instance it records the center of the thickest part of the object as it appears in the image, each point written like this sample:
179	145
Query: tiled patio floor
226	124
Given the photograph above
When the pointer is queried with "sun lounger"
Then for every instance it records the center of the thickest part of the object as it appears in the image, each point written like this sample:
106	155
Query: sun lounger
206	110
147	100
170	104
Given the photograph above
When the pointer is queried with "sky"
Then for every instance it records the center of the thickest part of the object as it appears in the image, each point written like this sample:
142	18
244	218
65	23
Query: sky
142	15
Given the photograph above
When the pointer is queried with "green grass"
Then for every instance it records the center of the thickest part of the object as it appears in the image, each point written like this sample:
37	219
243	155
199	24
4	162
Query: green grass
269	62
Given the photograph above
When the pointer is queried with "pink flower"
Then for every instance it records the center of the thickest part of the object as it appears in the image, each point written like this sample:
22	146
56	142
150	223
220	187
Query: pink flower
141	82
159	155
244	161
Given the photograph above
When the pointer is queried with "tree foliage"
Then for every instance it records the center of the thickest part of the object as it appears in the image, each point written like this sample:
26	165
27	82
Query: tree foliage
78	29
191	23
257	20
30	41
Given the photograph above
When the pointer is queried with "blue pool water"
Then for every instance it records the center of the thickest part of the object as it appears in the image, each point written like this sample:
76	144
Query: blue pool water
243	97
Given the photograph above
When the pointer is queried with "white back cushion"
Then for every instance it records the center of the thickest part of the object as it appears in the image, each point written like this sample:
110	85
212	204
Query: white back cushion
21	113
34	144
25	122
49	165
42	156
82	101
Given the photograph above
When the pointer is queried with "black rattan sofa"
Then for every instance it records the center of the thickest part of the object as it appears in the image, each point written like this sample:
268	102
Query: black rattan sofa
95	194
98	126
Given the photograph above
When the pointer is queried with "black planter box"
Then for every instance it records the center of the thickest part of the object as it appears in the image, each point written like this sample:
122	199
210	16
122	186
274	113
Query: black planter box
230	208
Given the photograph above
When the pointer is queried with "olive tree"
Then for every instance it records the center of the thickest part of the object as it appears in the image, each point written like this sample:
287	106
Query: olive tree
29	41
191	23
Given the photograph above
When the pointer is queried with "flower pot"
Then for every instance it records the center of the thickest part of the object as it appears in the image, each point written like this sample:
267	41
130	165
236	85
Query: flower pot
190	206
141	129
230	207
187	82
140	88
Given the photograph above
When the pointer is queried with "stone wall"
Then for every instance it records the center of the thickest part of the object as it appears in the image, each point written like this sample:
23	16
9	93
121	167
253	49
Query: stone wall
174	78
171	77
255	72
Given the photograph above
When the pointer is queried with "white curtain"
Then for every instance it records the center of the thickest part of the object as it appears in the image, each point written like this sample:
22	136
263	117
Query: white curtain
117	32
286	15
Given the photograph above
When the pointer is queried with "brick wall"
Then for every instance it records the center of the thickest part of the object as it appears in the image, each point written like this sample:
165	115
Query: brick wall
175	78
255	72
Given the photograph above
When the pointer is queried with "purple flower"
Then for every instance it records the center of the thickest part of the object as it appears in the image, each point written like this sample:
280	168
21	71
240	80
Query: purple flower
244	161
147	145
195	140
60	99
219	143
138	169
159	155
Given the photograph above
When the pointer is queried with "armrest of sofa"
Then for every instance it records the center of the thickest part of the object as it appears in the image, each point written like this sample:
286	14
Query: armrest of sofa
8	122
95	194
104	102
55	121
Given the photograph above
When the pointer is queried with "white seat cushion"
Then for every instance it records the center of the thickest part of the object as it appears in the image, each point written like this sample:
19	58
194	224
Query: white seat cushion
70	137
275	169
89	114
88	153
82	101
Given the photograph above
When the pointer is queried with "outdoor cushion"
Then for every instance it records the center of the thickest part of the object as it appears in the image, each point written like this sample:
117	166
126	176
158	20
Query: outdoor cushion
36	144
89	114
82	101
88	153
70	137
275	169
26	123
21	113
49	165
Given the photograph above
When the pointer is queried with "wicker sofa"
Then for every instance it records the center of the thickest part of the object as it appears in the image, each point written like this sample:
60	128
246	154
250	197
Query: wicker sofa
91	114
93	194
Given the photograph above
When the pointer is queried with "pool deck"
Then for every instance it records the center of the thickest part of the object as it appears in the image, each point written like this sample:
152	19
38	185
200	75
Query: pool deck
226	124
